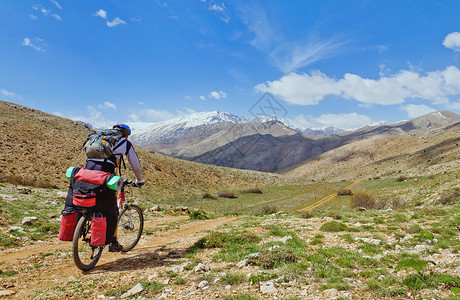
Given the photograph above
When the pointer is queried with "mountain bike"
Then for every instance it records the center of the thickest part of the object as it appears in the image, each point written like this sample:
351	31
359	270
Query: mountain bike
129	230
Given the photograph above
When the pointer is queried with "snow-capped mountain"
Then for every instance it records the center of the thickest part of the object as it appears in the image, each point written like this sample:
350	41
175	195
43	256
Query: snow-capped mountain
180	125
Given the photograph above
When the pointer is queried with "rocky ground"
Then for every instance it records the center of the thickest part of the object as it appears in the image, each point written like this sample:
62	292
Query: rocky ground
161	267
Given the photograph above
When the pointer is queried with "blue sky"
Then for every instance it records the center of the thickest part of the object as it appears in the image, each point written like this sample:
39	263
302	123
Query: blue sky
342	63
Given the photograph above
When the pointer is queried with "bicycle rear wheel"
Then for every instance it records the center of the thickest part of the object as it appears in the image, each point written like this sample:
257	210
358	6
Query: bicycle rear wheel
130	226
85	256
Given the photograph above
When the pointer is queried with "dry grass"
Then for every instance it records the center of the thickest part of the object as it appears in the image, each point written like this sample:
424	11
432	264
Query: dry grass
227	195
363	199
344	192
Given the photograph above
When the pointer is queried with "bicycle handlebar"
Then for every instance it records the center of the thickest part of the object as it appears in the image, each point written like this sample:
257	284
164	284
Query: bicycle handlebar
127	182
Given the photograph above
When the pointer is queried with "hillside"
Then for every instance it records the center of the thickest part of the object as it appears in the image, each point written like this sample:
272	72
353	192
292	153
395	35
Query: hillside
422	146
36	148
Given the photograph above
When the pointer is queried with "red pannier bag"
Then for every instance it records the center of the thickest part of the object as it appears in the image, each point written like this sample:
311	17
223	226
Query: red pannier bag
84	200
85	183
92	176
98	229
68	222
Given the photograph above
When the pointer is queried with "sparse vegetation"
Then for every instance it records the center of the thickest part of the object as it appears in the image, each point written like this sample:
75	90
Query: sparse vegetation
209	196
363	199
252	191
333	226
227	195
269	209
344	192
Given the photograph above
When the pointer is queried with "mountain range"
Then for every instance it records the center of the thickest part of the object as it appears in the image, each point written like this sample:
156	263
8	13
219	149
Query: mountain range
264	143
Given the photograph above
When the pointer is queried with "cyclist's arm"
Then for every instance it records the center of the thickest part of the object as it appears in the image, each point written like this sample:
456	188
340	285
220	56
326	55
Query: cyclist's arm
133	160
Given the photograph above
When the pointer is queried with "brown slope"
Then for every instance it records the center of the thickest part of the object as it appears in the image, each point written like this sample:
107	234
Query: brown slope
36	148
426	151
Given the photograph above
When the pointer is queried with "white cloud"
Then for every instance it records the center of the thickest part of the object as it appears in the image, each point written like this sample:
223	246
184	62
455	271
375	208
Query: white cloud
56	4
286	55
154	115
454	105
452	41
101	13
10	94
203	98
220	10
46	12
95	118
344	121
218	95
117	21
417	110
35	43
382	48
33	17
108	104
305	89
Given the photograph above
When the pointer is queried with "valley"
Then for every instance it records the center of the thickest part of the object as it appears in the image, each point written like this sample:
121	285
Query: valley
284	235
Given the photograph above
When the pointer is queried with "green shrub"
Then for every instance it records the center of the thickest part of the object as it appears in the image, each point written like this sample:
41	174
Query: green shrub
8	273
414	229
198	215
269	209
449	197
240	296
232	278
219	239
152	286
333	226
269	258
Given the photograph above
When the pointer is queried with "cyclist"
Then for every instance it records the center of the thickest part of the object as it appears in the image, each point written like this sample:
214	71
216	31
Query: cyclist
106	201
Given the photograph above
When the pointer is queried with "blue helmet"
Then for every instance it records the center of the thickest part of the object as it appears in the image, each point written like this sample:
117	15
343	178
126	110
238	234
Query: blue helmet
123	128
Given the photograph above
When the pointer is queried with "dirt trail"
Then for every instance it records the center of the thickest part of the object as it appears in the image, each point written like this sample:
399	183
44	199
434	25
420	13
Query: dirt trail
44	247
148	254
325	199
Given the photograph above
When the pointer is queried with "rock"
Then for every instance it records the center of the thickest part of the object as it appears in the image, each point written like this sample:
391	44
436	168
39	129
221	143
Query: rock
253	255
242	263
135	290
61	194
285	239
28	220
330	293
178	269
7	293
203	283
421	248
151	277
368	240
201	268
268	288
20	229
156	208
228	287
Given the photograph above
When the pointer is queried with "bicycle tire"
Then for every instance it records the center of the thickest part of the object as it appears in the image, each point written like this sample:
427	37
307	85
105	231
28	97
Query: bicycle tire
130	226
85	256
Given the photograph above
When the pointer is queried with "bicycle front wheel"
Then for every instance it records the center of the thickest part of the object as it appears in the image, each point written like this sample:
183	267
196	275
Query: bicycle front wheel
130	226
85	256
